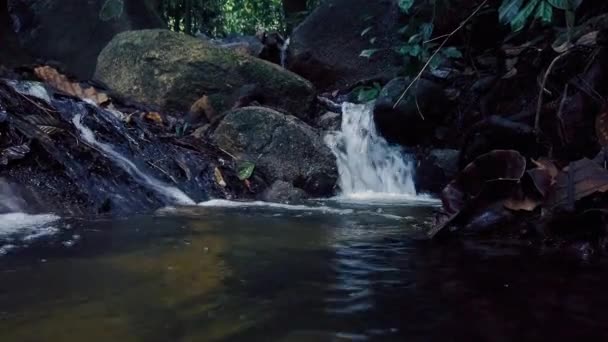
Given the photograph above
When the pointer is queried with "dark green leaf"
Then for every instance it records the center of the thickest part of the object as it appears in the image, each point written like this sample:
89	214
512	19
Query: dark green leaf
566	5
426	30
520	21
406	5
111	9
245	170
436	61
509	10
451	52
366	94
368	53
544	12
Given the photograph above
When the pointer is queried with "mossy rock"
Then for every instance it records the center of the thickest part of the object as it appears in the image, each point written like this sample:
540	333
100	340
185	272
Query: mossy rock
173	70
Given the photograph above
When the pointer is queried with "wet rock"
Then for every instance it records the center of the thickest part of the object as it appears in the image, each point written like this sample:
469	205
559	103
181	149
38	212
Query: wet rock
330	121
326	47
283	192
173	70
74	32
283	148
414	120
436	170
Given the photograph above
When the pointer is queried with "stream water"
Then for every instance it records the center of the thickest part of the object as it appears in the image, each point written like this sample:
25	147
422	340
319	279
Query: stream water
354	268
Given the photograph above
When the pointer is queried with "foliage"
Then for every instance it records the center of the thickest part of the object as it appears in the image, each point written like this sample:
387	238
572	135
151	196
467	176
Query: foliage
517	13
363	94
245	169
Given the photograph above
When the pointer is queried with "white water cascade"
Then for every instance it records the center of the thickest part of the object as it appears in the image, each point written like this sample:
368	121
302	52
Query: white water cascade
368	166
171	193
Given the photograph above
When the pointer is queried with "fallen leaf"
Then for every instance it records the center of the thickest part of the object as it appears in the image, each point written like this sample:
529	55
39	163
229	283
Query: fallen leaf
154	116
219	179
245	170
579	180
61	82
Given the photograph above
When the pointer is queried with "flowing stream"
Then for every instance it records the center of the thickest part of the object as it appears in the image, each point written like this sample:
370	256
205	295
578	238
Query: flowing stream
369	167
175	195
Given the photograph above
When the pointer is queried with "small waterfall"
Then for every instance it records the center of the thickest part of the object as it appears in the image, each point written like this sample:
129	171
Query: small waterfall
284	50
368	165
171	193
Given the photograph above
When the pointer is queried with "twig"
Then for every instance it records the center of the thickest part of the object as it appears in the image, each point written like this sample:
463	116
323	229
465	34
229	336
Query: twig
539	105
426	65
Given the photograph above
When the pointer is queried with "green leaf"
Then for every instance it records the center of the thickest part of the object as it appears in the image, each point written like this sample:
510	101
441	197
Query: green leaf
509	10
406	5
366	94
426	30
366	31
566	5
415	50
451	52
368	53
245	170
520	21
544	12
436	61
111	9
417	38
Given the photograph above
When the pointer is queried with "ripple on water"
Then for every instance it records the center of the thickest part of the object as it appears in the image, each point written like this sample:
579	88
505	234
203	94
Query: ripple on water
23	228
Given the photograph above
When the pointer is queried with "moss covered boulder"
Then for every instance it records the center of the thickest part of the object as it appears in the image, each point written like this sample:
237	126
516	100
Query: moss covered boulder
283	148
173	70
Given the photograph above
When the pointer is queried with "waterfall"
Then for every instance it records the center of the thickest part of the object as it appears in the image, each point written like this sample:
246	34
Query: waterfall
284	51
171	193
367	164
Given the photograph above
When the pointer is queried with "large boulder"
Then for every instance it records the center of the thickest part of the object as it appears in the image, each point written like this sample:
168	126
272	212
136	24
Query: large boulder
414	120
282	147
173	70
436	169
326	47
73	32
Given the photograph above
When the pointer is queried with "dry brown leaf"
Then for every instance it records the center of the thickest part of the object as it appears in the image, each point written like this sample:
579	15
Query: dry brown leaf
601	128
154	116
61	82
524	204
581	179
219	179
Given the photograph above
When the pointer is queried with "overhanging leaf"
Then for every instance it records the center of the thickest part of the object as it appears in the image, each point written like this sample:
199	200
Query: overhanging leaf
519	22
368	53
245	170
544	12
509	10
566	5
451	52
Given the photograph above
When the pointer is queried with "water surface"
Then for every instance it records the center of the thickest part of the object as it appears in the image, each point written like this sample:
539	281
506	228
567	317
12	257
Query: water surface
338	272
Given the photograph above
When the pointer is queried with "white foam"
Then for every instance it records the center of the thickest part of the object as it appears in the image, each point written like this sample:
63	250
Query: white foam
26	227
235	204
370	197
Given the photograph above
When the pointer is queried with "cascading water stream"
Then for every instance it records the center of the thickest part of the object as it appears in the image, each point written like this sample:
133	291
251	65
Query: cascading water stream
367	164
175	195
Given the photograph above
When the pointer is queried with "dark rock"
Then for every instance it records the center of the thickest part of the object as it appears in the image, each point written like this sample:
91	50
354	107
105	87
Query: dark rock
73	32
173	70
283	192
329	121
413	121
283	148
436	170
326	47
11	53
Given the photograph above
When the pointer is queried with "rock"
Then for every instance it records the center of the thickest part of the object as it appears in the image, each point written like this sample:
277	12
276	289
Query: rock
436	170
74	32
173	70
329	121
248	45
414	120
326	47
283	148
11	54
283	192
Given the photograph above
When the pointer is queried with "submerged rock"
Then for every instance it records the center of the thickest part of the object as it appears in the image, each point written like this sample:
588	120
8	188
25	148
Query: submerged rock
415	118
283	192
74	32
282	147
173	70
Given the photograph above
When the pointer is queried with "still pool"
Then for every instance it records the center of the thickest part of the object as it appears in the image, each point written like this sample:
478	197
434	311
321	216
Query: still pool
321	272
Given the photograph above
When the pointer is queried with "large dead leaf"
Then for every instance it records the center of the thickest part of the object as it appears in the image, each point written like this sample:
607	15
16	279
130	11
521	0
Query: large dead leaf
61	82
579	180
544	176
491	167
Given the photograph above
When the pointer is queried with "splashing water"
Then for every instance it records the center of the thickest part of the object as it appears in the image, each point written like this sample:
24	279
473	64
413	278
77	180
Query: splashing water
369	167
171	193
284	50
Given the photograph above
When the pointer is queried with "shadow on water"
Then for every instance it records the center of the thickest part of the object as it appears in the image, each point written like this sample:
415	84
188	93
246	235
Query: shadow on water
212	274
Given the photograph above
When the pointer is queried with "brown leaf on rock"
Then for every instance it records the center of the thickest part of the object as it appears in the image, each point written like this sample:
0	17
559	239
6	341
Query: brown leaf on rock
219	178
155	117
544	176
492	166
61	82
579	180
601	128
